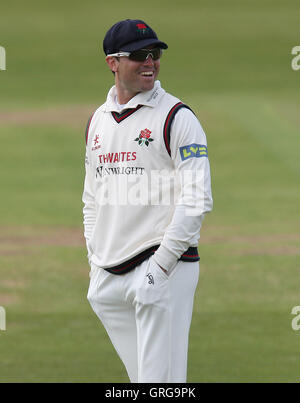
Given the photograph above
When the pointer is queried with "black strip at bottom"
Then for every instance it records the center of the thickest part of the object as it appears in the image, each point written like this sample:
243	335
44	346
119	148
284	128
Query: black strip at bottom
191	255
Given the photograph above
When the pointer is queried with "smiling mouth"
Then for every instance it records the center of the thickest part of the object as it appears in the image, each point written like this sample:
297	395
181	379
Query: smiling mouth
147	73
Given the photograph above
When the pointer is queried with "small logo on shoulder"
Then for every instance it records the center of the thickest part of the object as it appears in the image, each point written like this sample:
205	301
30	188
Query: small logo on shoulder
193	151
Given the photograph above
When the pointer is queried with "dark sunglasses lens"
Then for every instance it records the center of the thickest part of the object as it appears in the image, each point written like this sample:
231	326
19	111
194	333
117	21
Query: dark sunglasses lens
142	54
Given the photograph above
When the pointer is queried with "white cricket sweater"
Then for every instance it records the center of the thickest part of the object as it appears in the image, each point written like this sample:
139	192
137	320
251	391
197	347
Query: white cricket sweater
147	184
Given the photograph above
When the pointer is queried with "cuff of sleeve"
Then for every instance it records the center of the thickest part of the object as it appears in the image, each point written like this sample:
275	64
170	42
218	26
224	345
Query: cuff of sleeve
164	258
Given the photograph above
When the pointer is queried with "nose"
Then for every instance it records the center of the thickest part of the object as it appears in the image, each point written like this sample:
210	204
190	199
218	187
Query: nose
149	60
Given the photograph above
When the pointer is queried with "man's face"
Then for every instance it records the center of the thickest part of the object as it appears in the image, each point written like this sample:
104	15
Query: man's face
133	77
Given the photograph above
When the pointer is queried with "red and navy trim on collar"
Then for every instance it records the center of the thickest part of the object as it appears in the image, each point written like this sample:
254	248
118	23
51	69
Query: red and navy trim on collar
119	117
168	123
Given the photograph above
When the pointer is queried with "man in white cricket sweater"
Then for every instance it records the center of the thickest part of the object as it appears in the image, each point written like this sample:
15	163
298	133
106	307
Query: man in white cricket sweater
147	188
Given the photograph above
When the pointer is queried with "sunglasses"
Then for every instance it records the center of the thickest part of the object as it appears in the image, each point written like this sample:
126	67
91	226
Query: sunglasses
140	55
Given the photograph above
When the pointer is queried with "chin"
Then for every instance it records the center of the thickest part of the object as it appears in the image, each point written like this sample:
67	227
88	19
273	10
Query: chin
147	86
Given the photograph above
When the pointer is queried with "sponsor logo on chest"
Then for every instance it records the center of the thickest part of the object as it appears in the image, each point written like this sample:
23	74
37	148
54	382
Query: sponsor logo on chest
121	156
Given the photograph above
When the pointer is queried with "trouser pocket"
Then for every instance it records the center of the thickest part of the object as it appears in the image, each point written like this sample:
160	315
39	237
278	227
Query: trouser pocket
151	284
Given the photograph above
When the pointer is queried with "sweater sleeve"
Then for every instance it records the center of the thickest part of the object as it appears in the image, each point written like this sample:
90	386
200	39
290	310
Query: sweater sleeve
89	206
188	146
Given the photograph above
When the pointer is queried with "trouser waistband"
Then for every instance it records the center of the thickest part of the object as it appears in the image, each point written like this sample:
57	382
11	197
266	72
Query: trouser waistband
190	255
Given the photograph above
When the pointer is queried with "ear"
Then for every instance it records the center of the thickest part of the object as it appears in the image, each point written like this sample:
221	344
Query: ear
112	63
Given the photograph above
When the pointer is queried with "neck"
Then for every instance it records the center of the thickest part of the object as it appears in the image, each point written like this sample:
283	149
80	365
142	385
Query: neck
125	96
124	92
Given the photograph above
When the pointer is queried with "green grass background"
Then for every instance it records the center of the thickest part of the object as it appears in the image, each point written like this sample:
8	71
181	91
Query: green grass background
231	62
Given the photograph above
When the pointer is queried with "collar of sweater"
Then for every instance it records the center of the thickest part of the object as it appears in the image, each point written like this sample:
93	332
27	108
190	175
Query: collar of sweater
147	98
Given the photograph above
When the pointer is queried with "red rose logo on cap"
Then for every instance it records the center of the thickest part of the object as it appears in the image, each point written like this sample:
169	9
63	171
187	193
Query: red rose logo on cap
141	26
142	29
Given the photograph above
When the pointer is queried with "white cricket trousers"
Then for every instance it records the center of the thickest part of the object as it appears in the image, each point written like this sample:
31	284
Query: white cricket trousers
147	315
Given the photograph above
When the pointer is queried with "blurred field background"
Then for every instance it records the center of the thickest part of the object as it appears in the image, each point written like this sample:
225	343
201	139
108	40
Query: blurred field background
231	62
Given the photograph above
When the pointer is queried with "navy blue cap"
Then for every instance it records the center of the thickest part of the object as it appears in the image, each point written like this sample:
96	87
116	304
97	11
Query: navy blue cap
129	35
